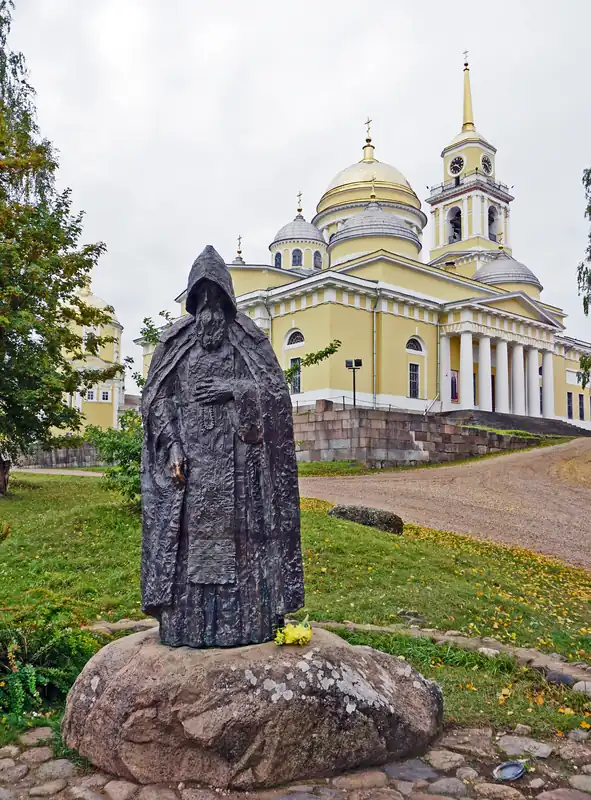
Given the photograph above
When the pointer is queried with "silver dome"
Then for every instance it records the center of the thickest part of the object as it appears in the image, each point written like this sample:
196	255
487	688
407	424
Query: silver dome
503	268
300	230
374	221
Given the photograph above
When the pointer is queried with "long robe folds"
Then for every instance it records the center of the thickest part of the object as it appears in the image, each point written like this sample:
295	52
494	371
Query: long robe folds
221	555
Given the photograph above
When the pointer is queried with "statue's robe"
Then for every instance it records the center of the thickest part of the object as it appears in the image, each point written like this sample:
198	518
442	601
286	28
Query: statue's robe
221	555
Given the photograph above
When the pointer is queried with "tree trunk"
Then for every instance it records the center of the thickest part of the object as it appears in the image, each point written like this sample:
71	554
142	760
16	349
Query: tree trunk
4	473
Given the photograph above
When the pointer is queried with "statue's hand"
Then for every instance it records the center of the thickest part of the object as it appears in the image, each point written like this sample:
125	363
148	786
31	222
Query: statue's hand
214	390
177	463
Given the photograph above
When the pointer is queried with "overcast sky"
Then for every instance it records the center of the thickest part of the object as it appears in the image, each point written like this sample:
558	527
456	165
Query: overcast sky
183	123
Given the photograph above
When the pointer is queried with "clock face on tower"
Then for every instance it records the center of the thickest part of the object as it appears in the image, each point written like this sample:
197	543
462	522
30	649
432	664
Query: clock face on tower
457	165
487	165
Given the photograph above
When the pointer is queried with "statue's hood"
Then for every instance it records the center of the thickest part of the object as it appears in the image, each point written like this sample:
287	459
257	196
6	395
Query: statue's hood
209	265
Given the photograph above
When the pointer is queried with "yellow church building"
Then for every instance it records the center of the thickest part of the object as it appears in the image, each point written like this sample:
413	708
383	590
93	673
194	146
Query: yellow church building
101	404
463	328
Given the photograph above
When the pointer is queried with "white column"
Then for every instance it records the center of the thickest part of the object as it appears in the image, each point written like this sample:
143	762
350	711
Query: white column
484	374
476	206
548	383
507	240
502	378
518	380
464	217
441	226
444	374
466	371
533	382
434	226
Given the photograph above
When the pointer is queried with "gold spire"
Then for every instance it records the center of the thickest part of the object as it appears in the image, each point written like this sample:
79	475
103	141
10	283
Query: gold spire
299	202
468	123
372	196
368	147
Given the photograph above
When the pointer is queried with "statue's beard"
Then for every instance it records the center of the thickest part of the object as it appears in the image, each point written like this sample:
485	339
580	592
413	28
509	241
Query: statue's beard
211	328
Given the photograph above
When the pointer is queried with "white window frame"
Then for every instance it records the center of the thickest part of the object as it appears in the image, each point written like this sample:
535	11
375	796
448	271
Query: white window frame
421	352
290	333
418	366
107	391
90	396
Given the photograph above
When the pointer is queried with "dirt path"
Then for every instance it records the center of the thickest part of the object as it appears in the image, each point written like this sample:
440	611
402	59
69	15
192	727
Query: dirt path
540	499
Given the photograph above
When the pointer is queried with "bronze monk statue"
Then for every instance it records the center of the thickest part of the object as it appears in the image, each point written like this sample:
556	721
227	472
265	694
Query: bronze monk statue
221	555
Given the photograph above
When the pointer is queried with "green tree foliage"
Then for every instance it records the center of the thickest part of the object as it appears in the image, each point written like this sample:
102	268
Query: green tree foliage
584	279
122	450
42	268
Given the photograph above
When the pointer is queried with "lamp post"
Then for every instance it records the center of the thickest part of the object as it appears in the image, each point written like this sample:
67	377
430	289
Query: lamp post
354	364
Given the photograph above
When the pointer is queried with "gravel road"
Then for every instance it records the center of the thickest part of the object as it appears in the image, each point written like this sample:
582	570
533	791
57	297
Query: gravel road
539	499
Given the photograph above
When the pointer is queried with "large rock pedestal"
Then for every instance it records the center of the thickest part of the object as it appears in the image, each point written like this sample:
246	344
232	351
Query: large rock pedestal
250	717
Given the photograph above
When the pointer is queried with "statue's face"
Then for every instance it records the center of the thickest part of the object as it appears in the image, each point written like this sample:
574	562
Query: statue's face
210	317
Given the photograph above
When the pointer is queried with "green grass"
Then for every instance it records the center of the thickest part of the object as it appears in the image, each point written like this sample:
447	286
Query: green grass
73	550
479	690
73	553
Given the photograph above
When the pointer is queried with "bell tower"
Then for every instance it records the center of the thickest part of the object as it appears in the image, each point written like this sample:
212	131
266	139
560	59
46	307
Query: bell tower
470	209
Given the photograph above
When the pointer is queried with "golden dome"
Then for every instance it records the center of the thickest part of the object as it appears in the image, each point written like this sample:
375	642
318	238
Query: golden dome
365	171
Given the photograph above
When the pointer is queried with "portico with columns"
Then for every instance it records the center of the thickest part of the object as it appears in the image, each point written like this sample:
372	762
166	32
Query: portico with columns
503	361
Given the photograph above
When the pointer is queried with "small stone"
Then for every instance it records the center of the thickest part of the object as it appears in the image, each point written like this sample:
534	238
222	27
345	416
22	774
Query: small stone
123	790
6	763
489	652
48	789
559	678
83	793
466	774
473	741
581	782
518	745
522	730
412	770
95	781
563	794
55	770
444	760
370	794
6	794
156	791
10	751
373	517
451	786
37	755
13	774
577	735
404	787
454	633
583	687
291	796
575	752
537	783
368	779
586	769
497	791
36	735
425	796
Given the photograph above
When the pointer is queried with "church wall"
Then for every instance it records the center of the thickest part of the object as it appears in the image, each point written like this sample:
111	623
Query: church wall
100	414
369	244
247	280
527	288
394	360
314	323
513	306
427	282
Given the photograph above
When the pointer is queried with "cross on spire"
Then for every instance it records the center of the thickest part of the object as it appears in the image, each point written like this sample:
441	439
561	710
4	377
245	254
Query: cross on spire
367	124
465	58
239	244
299	202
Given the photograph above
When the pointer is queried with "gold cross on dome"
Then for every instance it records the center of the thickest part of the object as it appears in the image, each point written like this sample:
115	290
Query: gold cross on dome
299	201
367	123
239	243
465	56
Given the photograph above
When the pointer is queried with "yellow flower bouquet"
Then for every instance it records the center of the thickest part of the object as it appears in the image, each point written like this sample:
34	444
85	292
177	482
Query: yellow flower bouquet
294	634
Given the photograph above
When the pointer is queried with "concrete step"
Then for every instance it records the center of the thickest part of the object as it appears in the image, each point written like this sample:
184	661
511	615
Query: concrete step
538	425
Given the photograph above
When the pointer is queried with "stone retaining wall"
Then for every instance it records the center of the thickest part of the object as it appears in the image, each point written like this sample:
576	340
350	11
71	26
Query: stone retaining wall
83	456
389	438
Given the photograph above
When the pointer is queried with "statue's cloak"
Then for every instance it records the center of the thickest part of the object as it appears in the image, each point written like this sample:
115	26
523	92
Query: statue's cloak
163	496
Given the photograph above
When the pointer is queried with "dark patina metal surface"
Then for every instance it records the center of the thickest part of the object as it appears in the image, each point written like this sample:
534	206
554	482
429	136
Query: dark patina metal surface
221	556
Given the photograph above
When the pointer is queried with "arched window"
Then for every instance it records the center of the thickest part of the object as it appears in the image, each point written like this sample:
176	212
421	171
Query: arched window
297	337
454	225
317	259
296	258
278	260
414	344
493	223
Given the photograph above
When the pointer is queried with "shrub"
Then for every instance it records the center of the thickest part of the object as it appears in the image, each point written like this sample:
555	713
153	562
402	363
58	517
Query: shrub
122	449
39	664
